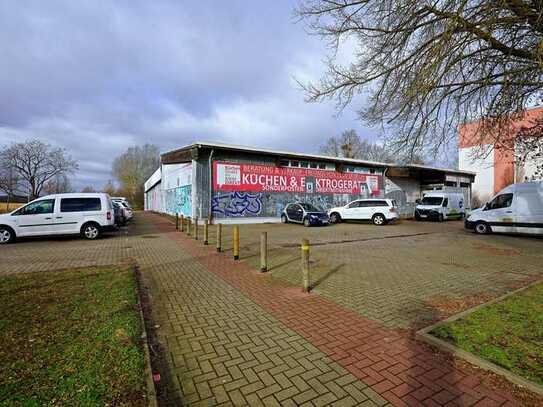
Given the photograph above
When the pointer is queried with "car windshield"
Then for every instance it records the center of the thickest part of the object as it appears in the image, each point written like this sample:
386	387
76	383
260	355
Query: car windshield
432	200
309	207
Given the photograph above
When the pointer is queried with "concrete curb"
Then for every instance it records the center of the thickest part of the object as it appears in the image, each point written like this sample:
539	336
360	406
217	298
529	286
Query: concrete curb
148	373
425	336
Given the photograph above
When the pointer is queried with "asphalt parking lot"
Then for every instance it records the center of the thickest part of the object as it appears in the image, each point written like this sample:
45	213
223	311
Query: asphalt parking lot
403	275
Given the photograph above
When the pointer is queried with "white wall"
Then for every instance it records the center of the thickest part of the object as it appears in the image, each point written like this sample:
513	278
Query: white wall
483	168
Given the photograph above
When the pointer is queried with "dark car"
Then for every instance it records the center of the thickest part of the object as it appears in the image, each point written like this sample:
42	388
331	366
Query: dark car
120	220
305	213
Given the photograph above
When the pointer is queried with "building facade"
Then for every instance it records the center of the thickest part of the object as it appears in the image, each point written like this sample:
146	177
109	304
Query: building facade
496	166
238	184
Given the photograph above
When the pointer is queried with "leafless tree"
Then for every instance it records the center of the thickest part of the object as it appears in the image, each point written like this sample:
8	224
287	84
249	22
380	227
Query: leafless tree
350	145
35	163
58	185
9	182
427	66
88	188
133	167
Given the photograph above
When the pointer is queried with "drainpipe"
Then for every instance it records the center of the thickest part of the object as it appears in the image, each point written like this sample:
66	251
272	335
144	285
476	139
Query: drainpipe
210	164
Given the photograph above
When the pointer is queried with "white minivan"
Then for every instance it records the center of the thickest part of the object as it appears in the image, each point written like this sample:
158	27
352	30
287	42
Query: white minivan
517	208
440	205
88	214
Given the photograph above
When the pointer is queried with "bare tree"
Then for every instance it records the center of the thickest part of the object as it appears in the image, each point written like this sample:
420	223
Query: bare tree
88	188
133	167
9	182
36	163
109	188
58	185
429	66
350	145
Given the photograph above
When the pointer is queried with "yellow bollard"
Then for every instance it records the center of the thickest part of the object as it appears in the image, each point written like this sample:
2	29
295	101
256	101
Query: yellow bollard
206	232
305	266
196	228
219	237
236	242
264	251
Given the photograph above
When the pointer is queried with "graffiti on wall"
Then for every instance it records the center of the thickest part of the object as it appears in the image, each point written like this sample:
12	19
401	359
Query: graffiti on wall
248	190
237	204
179	200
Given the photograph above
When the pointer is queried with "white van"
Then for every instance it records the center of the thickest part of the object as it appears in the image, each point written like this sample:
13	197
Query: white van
440	205
88	214
517	208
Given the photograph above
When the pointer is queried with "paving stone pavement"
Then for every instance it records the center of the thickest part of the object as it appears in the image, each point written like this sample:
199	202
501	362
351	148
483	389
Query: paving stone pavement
400	369
223	349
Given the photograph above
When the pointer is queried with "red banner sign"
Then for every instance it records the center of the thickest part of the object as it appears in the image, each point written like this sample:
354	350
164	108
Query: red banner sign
265	178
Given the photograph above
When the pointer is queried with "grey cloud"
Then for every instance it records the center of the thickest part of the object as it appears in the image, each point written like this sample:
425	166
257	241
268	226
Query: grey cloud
96	77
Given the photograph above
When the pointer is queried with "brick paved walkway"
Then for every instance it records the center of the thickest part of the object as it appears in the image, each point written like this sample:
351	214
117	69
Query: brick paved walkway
400	369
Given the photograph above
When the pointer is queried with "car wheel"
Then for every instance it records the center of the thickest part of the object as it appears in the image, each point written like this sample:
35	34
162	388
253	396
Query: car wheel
284	219
306	222
440	217
378	219
482	228
6	235
417	216
91	231
335	218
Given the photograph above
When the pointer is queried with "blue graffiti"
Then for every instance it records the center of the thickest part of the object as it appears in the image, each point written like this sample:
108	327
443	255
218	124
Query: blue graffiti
237	204
179	200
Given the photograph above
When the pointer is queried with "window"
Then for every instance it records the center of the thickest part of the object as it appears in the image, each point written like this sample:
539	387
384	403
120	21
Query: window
304	164
370	204
432	200
37	208
80	204
322	166
355	204
309	208
501	201
294	163
465	184
314	165
372	170
450	183
445	202
283	163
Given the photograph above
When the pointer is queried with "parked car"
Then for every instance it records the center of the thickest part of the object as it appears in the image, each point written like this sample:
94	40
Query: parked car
440	205
128	213
305	213
379	211
122	199
118	210
517	208
88	214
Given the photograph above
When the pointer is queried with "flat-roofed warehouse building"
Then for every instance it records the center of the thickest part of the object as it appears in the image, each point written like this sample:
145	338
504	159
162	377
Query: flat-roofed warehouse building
228	183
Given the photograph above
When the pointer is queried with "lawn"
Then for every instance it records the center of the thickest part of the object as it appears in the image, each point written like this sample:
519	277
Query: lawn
71	338
508	333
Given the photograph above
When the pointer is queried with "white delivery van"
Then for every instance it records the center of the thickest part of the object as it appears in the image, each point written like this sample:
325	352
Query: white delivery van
88	214
440	205
517	208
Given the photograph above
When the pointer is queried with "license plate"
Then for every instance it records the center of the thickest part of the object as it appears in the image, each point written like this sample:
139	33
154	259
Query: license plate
423	216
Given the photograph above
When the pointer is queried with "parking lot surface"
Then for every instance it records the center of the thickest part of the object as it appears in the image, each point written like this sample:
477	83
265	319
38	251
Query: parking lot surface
235	336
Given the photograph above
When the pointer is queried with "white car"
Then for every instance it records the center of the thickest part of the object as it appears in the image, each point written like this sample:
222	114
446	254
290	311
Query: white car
121	199
128	213
379	211
517	208
88	214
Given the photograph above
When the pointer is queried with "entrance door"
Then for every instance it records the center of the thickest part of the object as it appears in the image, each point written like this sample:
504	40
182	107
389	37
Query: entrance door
500	214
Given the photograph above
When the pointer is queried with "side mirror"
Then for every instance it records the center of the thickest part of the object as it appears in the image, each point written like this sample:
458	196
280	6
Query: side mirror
417	201
485	207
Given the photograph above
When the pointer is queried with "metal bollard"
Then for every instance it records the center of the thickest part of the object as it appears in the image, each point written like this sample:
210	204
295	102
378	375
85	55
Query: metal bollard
182	222
219	237
236	242
305	266
176	221
264	251
196	228
206	232
189	224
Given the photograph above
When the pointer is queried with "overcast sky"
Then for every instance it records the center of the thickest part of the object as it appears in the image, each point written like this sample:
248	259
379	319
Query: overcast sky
98	76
